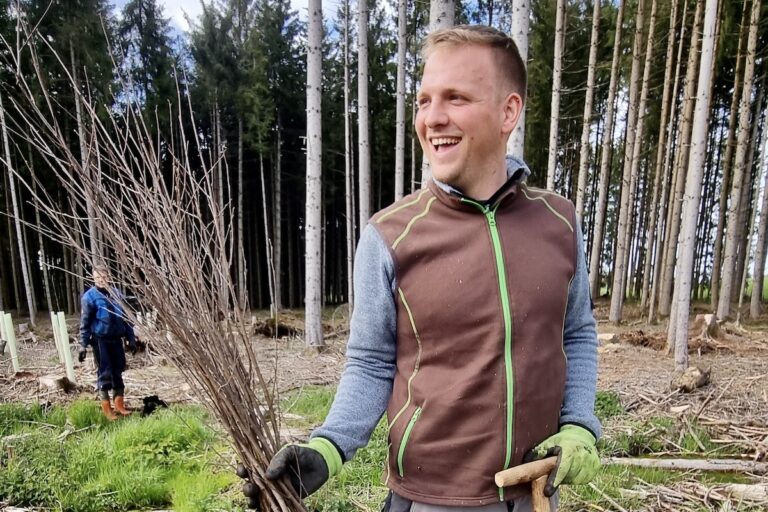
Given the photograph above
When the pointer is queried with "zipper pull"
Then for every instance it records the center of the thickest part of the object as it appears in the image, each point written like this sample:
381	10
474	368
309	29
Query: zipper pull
491	215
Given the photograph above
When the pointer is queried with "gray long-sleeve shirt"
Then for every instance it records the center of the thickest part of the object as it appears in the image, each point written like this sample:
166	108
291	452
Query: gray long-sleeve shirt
366	383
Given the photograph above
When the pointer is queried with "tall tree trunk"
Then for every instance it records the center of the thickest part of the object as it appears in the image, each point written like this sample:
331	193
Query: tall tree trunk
364	149
665	304
751	179
348	174
314	228
17	218
242	291
651	239
38	229
521	16
277	221
441	15
679	324
758	269
728	264
268	254
95	246
557	74
402	23
729	150
586	126
605	161
629	182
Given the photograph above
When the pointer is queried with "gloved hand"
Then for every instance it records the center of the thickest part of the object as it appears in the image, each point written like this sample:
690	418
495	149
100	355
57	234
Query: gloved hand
307	466
81	353
577	458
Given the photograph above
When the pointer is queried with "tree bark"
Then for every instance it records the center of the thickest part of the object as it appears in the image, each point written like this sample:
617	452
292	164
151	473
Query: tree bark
557	74
729	150
693	186
605	161
313	329
521	16
348	174
277	220
755	301
728	264
364	149
628	177
586	126
400	107
652	241
17	219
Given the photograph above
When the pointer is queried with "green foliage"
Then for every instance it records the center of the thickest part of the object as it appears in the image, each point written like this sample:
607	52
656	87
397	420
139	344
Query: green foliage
132	463
310	402
638	438
608	405
15	418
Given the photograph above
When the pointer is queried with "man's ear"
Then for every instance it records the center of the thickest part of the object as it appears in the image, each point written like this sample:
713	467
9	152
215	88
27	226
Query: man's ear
513	107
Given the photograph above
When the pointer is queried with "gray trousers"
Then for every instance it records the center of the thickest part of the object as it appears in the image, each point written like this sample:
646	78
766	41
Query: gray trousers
397	504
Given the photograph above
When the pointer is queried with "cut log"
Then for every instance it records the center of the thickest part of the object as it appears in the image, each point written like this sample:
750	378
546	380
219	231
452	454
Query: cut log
746	492
725	465
692	378
57	382
705	326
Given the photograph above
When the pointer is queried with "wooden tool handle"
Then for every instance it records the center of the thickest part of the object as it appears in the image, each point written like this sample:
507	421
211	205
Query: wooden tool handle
525	472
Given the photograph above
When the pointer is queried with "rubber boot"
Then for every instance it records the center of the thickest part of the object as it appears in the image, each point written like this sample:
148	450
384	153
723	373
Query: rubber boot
120	406
106	408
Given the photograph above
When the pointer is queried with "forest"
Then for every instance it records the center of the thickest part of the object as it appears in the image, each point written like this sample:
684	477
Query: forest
654	112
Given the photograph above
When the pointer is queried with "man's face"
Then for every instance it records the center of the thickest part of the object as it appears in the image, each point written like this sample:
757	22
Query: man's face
466	113
101	279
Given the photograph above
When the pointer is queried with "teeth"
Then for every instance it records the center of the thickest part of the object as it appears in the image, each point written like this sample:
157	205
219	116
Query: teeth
445	140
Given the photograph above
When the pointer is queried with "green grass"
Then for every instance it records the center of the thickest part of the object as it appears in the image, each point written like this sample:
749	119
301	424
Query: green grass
73	460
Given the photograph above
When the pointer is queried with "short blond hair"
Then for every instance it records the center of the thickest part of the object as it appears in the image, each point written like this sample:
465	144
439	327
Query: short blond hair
510	64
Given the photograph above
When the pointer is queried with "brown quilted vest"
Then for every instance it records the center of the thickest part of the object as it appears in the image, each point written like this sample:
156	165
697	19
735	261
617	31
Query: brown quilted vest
481	302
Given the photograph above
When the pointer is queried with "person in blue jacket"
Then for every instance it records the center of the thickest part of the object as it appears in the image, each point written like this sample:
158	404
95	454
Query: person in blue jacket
103	326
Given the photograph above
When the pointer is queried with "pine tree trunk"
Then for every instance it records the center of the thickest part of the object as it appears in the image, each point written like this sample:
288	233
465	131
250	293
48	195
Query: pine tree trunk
557	73
586	126
313	329
693	187
605	162
681	167
268	254
755	301
441	14
363	115
400	108
41	245
652	241
729	150
731	243
629	182
277	220
242	291
17	219
521	15
93	234
348	174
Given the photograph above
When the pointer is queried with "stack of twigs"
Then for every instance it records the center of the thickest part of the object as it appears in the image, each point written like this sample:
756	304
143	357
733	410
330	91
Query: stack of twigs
165	231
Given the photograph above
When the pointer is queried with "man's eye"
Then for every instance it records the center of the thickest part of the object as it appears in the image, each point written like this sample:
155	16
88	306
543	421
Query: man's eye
422	102
457	98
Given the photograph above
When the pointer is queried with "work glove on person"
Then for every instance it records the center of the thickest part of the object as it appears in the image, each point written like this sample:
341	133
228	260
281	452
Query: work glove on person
307	466
81	353
577	458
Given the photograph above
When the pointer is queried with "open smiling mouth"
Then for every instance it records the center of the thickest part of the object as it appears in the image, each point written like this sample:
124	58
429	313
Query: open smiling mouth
444	144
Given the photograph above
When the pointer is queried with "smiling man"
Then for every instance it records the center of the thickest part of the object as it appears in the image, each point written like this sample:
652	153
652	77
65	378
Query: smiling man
472	326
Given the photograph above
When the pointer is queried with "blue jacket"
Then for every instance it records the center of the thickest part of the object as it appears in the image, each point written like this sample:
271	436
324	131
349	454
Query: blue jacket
102	316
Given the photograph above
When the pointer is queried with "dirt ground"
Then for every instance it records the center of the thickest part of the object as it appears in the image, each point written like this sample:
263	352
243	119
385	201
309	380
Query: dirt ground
635	365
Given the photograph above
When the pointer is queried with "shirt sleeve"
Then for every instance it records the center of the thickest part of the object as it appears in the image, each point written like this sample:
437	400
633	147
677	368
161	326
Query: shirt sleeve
580	345
366	383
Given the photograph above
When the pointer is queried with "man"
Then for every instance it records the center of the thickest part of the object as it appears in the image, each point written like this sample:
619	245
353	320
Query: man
103	326
473	325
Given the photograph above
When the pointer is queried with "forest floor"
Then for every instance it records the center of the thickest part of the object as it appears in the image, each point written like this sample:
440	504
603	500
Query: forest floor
731	411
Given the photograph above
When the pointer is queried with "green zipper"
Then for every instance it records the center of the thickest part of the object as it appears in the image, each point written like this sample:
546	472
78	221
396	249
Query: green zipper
404	441
490	215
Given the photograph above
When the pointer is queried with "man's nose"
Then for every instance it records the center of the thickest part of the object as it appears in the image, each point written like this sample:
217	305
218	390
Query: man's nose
436	115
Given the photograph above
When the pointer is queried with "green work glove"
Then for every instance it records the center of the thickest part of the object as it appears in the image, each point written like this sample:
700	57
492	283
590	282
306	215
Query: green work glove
307	466
577	459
